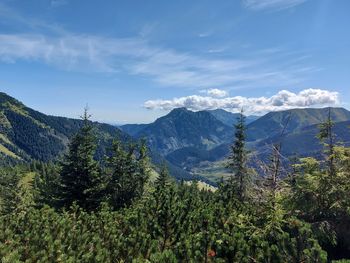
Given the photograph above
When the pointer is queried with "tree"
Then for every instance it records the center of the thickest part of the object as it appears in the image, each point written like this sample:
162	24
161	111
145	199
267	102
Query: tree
327	136
128	171
47	185
238	160
80	177
9	180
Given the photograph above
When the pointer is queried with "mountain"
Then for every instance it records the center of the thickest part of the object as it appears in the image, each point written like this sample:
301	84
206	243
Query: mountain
229	118
184	128
271	124
26	134
132	129
305	141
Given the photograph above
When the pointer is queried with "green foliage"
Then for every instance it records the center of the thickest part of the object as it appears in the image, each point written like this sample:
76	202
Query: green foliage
319	194
240	179
127	173
81	180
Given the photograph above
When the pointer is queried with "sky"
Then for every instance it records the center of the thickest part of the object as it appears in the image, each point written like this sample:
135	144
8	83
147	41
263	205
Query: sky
132	61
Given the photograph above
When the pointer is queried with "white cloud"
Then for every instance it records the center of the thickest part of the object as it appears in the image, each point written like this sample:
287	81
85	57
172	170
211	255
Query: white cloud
217	93
283	100
271	4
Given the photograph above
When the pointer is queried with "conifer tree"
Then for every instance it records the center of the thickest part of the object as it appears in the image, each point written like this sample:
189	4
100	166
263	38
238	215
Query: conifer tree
80	177
144	169
9	180
164	210
47	185
326	135
238	160
128	171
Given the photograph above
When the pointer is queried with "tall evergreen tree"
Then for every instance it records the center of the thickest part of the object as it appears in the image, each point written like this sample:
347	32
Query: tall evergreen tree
327	136
164	210
81	177
238	160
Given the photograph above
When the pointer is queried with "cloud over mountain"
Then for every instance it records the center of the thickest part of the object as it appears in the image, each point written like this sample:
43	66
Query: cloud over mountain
283	100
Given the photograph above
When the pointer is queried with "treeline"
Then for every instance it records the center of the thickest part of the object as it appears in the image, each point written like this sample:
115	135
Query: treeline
118	210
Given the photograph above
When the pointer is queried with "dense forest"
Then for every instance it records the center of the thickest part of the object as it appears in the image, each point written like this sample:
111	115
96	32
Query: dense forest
121	208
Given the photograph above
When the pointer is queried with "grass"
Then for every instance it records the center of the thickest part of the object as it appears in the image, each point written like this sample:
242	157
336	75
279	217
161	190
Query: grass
5	139
7	152
213	171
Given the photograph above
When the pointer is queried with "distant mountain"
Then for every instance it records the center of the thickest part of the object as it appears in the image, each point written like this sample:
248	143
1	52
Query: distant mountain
184	128
305	141
132	129
197	140
272	123
229	118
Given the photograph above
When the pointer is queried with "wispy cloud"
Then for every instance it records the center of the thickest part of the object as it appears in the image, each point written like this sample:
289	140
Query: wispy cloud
283	100
58	3
271	4
53	45
135	56
204	34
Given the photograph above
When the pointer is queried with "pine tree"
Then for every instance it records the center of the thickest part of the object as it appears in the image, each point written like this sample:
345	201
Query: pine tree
238	160
327	136
80	176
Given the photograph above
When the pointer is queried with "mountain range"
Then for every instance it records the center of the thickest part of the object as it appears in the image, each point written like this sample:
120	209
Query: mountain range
193	144
198	141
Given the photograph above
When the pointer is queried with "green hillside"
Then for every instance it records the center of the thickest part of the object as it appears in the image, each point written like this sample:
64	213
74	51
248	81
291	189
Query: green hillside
26	134
272	123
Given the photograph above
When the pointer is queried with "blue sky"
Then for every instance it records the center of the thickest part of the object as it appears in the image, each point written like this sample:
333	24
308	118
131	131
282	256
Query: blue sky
132	61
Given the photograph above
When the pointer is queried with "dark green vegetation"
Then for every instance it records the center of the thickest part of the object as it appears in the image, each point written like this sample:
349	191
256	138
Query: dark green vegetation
115	210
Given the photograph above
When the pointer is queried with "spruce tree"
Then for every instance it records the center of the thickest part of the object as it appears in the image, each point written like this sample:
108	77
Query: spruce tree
128	171
326	135
238	160
80	177
144	168
165	198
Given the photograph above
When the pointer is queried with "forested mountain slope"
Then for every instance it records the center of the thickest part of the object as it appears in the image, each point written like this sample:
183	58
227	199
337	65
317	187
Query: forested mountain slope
26	134
272	123
183	128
